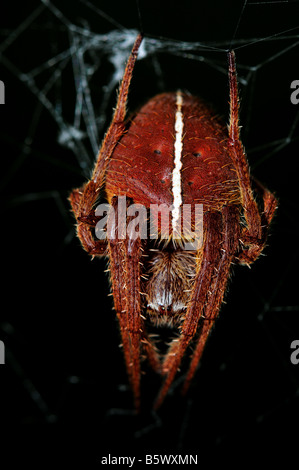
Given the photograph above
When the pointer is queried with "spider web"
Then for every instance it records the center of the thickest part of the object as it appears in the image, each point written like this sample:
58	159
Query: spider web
61	66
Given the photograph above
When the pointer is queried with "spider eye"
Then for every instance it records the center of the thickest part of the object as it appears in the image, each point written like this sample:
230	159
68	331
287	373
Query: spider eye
197	154
158	152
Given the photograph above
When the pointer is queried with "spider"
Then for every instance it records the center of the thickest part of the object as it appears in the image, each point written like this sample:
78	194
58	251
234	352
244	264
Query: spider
173	151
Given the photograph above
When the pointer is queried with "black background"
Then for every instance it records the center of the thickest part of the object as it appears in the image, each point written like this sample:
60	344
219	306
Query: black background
64	382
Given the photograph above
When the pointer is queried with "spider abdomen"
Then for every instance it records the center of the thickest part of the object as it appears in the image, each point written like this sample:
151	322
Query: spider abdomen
174	152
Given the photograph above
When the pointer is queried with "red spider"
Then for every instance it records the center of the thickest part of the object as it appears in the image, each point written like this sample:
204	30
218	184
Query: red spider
173	151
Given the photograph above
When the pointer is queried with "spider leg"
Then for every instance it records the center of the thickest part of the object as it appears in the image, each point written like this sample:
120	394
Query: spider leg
85	229
117	126
204	272
116	256
84	199
238	156
151	353
231	223
125	267
133	307
270	203
270	206
253	235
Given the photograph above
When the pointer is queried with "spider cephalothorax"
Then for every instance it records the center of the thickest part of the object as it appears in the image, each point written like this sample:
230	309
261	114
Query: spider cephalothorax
174	153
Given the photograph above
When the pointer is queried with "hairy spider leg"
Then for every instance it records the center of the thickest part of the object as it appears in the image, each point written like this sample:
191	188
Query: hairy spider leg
134	326
86	225
253	236
117	125
270	204
151	353
125	267
84	198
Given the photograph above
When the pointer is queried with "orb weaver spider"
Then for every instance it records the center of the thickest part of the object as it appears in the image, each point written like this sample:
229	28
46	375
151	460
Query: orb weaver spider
173	151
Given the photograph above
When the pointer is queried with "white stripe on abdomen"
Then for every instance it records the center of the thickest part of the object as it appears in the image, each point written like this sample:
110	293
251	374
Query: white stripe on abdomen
176	174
